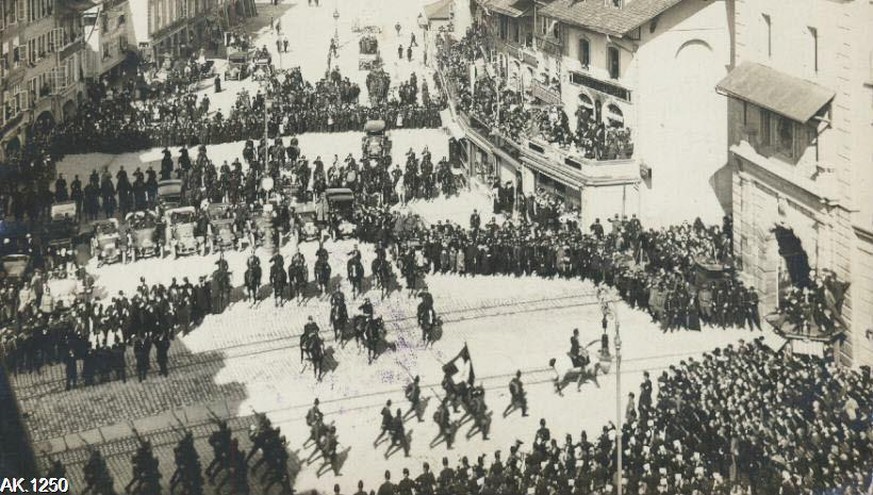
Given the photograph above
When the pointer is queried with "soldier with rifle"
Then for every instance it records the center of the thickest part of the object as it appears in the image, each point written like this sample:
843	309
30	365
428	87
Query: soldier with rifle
188	470
146	475
97	478
220	442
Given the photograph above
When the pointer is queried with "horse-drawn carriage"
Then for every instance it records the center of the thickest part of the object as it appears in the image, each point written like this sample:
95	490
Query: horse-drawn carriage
375	144
107	243
339	202
142	226
309	228
181	224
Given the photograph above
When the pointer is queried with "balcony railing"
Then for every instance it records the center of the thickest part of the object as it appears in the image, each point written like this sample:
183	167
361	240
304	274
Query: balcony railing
549	94
550	45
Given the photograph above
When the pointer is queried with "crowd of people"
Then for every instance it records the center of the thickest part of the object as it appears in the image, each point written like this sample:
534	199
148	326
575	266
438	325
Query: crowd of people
743	419
172	115
500	107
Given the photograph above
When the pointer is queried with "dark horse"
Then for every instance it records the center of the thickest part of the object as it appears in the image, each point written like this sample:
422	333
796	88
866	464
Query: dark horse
339	315
322	276
383	274
253	282
356	276
221	287
279	281
298	279
375	339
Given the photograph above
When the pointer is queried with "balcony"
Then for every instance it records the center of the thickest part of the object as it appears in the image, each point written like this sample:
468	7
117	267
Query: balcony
550	45
545	92
589	170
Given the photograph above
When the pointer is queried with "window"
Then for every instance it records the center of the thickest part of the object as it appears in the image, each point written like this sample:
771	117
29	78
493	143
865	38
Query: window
765	128
121	20
813	34
613	62
584	52
769	34
504	27
786	137
516	32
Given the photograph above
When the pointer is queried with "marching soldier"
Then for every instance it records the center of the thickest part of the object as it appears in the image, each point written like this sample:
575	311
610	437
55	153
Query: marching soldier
163	349
398	435
97	478
387	422
220	441
141	353
70	369
444	422
413	394
518	397
146	475
187	473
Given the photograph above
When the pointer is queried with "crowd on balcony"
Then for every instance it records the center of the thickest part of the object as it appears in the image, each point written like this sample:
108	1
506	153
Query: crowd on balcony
814	310
510	116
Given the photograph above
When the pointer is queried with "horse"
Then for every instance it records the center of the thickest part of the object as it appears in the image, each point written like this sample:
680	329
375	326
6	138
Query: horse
322	276
298	279
356	276
383	274
427	321
375	339
222	287
253	282
566	373
339	316
279	280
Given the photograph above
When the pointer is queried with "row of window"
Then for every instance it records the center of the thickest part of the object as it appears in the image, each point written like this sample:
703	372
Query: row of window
21	98
613	58
811	42
15	11
37	48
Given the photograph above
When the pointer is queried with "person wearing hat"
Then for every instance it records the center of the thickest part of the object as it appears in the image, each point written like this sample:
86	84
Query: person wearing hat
413	395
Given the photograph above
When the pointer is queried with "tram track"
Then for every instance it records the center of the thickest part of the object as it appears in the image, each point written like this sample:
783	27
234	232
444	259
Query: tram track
190	359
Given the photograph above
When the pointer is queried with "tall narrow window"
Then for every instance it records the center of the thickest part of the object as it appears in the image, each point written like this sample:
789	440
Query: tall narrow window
584	52
613	61
769	33
813	34
765	128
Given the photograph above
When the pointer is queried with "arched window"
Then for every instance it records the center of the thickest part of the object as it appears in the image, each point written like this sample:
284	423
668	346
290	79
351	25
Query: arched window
615	116
613	61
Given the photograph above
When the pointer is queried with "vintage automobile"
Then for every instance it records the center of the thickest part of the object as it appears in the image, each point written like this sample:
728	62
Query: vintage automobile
238	65
170	193
338	202
308	225
63	226
15	266
143	233
375	144
181	225
221	223
107	242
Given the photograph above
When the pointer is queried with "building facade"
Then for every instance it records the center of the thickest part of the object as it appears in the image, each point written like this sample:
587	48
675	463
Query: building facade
646	69
800	110
109	34
40	67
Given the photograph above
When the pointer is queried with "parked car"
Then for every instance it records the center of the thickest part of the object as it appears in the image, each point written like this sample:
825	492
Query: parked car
223	233
170	193
308	227
107	242
375	144
143	233
181	225
63	227
15	266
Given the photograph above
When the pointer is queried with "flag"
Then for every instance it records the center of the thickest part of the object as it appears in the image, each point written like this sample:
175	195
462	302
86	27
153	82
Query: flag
460	368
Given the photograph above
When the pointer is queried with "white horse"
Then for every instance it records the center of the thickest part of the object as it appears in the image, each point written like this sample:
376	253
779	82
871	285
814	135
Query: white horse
566	373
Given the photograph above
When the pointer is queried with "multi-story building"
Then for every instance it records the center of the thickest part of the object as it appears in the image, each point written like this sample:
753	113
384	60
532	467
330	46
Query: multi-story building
176	27
109	34
40	66
801	152
646	67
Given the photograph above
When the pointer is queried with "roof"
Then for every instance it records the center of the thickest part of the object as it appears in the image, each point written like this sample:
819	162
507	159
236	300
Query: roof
602	17
511	8
441	10
789	96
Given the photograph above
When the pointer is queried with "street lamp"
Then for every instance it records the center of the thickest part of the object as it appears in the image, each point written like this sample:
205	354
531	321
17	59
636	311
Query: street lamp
267	102
618	415
336	24
423	23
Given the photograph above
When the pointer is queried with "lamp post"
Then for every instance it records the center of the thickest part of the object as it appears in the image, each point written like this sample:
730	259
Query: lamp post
423	23
267	102
618	416
336	16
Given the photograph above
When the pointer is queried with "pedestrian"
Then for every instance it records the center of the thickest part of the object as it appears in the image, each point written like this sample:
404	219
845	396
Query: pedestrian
163	349
285	43
217	83
400	52
71	372
409	53
412	41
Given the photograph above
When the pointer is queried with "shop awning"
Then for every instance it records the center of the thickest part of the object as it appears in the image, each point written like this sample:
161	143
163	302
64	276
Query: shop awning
441	10
789	96
77	6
